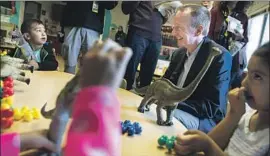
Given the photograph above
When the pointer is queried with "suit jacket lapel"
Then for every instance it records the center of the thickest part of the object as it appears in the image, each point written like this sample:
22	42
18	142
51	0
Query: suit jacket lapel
199	61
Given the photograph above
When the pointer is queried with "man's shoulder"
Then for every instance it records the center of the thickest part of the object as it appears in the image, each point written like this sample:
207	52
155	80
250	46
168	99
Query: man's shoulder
216	46
48	47
223	50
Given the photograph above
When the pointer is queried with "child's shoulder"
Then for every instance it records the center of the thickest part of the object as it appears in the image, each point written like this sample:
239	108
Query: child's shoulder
48	47
253	143
246	117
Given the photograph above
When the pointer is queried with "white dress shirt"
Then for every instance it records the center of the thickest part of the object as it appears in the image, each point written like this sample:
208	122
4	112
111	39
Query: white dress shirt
187	65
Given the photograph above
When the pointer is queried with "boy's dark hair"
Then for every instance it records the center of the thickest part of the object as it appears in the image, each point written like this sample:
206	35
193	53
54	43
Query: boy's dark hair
263	52
26	25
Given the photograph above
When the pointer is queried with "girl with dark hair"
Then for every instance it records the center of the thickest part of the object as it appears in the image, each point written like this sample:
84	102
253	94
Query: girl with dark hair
241	132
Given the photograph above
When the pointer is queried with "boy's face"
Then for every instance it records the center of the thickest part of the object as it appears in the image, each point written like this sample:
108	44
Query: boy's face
256	84
37	34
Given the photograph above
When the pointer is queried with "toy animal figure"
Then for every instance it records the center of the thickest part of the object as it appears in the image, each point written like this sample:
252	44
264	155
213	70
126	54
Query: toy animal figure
165	94
13	66
61	113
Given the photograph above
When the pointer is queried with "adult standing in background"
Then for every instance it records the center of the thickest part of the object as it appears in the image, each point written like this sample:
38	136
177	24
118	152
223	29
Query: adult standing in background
234	42
144	38
239	56
219	15
83	23
120	36
208	4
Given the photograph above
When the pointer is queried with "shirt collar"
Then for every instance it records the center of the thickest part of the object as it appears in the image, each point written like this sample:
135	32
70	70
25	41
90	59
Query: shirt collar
195	51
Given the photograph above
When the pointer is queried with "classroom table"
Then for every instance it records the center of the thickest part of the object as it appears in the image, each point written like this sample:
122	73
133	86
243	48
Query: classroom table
45	86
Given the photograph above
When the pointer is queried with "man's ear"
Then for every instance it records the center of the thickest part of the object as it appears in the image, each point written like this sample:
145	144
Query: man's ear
199	30
26	36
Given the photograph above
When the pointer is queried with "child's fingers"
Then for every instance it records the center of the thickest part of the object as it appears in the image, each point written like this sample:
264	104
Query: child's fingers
182	149
235	90
185	139
190	132
241	93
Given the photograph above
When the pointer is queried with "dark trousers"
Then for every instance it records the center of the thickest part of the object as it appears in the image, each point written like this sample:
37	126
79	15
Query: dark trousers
145	52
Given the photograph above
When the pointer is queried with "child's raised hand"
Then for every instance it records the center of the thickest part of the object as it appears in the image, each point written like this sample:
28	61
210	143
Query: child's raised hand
192	141
105	65
237	102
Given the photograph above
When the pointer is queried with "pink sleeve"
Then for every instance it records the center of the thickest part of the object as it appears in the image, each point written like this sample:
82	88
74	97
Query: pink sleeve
95	129
10	144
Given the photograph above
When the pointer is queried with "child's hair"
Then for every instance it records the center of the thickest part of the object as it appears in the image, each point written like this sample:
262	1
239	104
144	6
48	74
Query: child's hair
26	25
263	52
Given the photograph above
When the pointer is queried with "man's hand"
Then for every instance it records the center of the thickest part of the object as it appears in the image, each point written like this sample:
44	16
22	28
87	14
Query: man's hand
36	140
237	105
105	65
192	141
34	63
238	35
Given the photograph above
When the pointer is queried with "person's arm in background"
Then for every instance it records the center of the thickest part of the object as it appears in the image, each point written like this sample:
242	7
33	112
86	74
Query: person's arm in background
109	5
243	37
245	33
129	6
213	23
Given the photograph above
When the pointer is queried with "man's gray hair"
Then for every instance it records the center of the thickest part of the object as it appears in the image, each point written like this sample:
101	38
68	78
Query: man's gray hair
200	16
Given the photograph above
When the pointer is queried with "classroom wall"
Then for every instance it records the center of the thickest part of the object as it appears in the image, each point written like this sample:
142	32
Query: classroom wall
47	6
257	7
118	17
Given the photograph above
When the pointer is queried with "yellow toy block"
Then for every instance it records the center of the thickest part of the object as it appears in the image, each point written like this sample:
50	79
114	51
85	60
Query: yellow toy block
27	117
25	109
5	106
8	100
17	115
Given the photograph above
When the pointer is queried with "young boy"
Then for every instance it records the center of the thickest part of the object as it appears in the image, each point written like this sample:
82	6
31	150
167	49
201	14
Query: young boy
32	47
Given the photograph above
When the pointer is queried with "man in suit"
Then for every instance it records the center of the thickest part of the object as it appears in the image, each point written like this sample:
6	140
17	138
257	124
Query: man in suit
207	105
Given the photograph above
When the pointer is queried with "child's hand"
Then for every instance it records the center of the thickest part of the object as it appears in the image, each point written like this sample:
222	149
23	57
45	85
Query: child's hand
34	63
237	102
192	141
105	64
36	140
